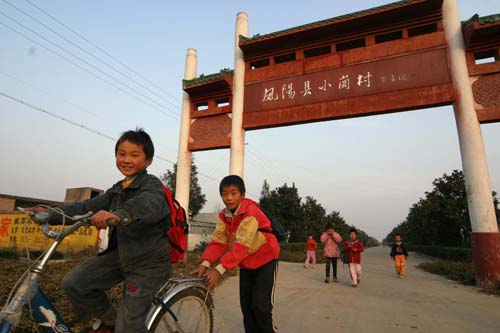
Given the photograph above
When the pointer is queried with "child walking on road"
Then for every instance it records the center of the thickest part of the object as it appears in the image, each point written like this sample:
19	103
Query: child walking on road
310	252
331	251
354	247
399	254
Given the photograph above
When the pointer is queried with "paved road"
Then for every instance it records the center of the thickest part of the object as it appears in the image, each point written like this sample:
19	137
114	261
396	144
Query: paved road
422	302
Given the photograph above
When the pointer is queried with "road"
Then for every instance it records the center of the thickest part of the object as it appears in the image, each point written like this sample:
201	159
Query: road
422	302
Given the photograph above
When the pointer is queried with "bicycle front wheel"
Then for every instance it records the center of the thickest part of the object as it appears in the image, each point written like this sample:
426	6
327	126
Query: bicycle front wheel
189	311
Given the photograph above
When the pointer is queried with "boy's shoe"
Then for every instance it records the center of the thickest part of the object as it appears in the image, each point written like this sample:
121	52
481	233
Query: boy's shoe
335	279
354	285
327	280
401	276
97	326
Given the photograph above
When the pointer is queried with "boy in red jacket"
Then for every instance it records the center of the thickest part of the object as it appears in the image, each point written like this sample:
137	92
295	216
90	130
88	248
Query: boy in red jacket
243	237
354	247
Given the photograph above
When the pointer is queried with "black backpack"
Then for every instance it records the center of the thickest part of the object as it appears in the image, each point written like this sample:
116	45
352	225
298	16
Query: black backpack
344	257
277	228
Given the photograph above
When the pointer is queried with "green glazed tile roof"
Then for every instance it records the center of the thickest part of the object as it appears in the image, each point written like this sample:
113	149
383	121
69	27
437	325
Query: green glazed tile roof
207	78
489	19
327	21
482	20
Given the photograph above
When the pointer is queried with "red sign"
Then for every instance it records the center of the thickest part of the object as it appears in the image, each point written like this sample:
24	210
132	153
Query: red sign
416	70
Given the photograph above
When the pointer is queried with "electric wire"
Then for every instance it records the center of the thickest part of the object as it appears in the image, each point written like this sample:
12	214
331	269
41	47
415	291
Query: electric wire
105	52
90	54
160	108
84	127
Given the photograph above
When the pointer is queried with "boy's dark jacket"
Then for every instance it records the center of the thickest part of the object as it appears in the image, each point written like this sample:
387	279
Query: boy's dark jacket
144	215
399	249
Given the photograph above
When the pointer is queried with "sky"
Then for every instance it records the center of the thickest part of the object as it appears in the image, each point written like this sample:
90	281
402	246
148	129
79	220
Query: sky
93	69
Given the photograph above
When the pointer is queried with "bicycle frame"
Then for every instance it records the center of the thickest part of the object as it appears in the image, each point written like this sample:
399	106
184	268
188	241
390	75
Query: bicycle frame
46	315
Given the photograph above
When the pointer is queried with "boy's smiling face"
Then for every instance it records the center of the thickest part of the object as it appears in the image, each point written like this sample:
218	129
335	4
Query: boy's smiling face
131	159
231	196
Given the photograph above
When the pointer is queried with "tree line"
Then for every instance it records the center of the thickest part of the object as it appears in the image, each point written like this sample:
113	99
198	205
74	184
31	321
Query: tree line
303	217
299	217
441	217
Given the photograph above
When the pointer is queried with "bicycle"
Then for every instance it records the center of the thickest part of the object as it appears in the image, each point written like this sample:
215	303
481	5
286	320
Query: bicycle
174	308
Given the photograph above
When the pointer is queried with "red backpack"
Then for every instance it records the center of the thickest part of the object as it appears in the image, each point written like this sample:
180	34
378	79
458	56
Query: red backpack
178	232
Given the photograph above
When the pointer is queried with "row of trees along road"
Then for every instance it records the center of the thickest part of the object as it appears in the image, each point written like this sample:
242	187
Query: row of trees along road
301	218
441	217
298	218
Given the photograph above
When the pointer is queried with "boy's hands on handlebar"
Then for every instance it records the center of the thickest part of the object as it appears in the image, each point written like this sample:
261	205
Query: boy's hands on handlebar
213	278
200	271
102	217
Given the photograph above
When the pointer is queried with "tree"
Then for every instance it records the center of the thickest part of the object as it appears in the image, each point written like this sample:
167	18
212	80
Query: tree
284	203
314	215
196	198
442	216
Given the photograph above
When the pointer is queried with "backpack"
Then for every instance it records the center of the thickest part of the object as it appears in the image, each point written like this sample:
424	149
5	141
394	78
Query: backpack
276	227
344	257
178	231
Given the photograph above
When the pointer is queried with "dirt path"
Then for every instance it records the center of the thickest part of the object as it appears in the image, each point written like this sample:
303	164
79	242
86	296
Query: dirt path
422	302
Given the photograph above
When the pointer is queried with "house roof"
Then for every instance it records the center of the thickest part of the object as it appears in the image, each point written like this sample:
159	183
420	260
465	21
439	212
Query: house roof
481	32
341	26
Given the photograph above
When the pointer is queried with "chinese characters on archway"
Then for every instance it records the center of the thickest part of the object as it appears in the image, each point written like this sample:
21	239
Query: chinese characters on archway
345	82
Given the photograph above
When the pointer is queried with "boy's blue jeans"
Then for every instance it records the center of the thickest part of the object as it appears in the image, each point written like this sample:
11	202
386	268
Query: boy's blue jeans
85	286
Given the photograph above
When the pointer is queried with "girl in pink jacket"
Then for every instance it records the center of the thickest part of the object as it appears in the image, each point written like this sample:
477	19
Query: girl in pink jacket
331	251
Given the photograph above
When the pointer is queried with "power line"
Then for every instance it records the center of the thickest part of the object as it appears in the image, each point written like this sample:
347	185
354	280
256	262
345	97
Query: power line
69	121
32	86
84	127
104	51
86	70
89	53
85	62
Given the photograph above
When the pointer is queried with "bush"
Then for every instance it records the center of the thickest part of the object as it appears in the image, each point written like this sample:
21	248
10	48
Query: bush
462	272
447	253
298	247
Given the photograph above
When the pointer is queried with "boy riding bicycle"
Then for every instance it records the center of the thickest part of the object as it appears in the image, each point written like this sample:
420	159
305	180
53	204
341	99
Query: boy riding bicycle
138	248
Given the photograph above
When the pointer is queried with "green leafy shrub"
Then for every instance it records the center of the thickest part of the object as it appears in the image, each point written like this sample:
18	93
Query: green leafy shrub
447	253
462	272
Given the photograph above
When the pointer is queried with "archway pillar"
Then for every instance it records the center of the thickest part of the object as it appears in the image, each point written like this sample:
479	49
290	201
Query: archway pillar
237	154
485	237
183	180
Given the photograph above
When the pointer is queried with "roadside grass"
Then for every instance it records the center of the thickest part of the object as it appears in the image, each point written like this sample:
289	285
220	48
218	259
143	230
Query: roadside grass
461	272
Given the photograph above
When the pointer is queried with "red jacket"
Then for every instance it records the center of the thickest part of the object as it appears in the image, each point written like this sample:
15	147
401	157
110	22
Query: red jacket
236	240
354	248
311	245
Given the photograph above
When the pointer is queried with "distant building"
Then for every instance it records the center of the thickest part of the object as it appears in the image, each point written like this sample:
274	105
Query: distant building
9	203
201	227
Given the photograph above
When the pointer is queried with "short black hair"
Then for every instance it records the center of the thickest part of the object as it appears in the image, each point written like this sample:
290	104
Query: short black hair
232	180
353	230
329	226
398	234
139	137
